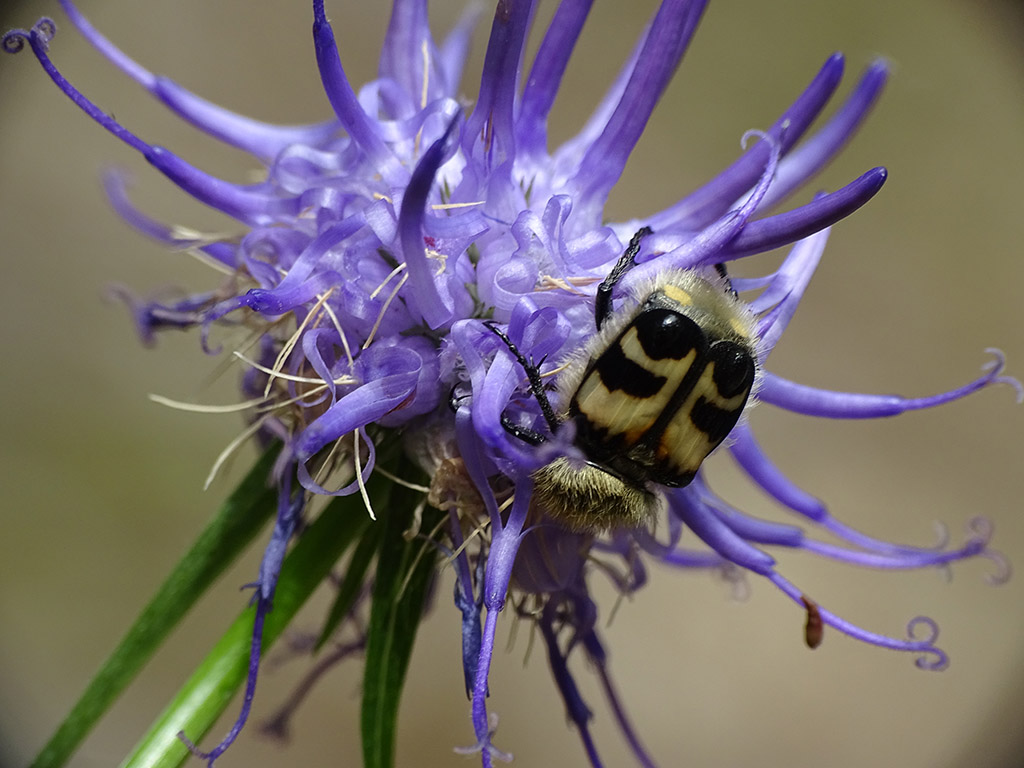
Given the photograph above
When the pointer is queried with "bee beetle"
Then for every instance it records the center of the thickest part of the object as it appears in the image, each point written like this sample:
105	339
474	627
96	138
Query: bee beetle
654	391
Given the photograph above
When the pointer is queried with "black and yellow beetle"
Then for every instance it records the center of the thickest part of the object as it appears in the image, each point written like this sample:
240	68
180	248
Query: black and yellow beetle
654	391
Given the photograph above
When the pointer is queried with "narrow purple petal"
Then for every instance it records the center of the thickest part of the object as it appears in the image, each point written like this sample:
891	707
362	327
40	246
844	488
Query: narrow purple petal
925	647
38	38
253	205
455	48
109	51
255	645
546	75
800	165
407	42
704	204
346	106
115	187
257	138
762	470
685	558
288	513
812	401
598	657
477	466
775	231
602	165
911	560
463	574
567	157
151	316
787	289
481	724
705	246
504	545
472	631
434	302
576	708
492	119
246	204
751	458
883	554
749	528
788	282
713	531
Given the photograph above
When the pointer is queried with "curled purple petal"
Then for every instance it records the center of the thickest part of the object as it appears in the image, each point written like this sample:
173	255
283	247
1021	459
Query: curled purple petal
705	246
253	136
811	401
929	657
435	302
38	39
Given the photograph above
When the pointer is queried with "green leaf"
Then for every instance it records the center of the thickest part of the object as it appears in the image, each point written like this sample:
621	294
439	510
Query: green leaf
212	686
352	581
237	522
404	572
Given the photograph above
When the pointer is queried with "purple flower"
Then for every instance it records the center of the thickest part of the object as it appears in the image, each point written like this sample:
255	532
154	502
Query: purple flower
383	240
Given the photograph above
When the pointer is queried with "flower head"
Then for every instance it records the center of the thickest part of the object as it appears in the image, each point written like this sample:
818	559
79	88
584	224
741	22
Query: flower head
414	272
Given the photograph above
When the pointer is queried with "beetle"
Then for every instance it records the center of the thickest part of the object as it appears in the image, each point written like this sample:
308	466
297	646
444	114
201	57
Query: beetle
655	390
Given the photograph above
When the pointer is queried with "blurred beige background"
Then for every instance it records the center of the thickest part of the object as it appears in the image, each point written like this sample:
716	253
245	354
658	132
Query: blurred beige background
102	489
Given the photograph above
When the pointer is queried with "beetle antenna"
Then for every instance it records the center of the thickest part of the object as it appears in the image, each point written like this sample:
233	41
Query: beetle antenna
603	301
536	385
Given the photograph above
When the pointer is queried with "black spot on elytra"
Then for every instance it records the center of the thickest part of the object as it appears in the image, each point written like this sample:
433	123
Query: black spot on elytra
734	368
666	334
618	372
714	421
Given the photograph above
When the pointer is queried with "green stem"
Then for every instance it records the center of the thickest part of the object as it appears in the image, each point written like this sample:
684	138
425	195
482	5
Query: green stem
238	521
214	683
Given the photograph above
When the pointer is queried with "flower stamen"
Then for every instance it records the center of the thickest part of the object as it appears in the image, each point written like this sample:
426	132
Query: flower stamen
359	474
231	447
289	344
201	408
343	380
384	309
